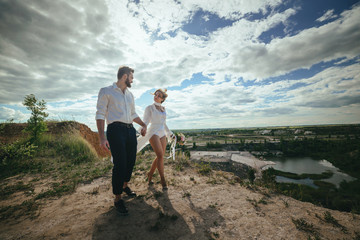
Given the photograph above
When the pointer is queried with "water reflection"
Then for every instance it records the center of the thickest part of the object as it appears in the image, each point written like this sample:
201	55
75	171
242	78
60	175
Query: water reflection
306	181
301	165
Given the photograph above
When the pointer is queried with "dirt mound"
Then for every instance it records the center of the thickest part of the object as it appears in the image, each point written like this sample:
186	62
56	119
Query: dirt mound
14	131
10	132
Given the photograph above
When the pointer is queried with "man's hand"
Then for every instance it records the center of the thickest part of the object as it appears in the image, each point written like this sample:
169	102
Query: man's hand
104	144
143	130
141	123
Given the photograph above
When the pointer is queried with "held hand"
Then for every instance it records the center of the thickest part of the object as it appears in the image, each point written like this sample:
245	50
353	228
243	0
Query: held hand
172	136
104	144
143	130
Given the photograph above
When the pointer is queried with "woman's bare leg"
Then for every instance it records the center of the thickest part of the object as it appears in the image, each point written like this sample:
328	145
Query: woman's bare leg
152	170
159	146
163	143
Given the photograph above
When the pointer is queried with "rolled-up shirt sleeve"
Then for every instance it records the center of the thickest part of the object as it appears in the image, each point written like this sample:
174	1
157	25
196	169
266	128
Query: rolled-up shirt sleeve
133	113
102	105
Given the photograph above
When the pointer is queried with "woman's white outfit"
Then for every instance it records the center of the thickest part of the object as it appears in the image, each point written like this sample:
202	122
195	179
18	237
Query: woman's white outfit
157	121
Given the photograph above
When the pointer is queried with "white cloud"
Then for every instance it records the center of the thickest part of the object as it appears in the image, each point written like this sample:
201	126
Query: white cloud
232	9
160	16
81	110
181	56
311	46
332	88
51	46
223	104
327	16
7	114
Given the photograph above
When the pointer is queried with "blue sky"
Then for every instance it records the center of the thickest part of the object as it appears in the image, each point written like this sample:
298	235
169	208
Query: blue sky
225	64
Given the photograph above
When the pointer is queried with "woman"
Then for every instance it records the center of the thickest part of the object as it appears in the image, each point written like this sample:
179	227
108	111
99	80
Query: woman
155	115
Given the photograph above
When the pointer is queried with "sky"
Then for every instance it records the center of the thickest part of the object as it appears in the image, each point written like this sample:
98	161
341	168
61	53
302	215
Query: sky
225	64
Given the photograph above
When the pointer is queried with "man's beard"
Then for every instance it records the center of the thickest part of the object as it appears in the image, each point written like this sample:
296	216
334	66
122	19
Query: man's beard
127	82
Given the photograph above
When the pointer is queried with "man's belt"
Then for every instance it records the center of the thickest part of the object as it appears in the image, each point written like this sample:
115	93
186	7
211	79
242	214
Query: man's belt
128	125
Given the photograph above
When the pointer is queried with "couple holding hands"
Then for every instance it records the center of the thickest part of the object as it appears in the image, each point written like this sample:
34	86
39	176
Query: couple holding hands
116	106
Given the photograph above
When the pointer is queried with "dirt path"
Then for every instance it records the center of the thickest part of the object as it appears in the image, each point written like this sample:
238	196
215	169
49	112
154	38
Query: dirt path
194	207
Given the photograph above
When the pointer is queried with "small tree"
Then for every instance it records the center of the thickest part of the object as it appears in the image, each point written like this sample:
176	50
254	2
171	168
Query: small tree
36	123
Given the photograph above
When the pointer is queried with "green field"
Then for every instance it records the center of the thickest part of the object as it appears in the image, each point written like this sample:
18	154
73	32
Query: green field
339	144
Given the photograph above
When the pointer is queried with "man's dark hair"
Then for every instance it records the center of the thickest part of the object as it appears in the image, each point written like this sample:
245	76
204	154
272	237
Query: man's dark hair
124	70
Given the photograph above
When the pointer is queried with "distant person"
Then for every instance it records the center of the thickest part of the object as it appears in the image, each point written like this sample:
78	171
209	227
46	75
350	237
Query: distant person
116	105
155	115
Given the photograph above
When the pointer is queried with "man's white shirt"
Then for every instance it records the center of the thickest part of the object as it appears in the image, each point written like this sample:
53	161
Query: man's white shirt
115	106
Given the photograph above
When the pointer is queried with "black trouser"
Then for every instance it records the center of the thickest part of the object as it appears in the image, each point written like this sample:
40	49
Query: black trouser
123	144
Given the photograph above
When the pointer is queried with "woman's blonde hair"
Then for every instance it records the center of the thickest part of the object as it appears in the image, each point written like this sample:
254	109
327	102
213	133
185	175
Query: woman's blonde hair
163	92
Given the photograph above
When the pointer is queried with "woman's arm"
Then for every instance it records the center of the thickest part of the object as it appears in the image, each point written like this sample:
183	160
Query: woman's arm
169	134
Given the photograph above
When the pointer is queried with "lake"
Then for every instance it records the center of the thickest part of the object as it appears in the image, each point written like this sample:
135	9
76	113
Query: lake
301	165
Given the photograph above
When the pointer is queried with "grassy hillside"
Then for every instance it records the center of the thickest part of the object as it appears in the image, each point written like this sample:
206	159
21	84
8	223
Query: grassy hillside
65	157
62	156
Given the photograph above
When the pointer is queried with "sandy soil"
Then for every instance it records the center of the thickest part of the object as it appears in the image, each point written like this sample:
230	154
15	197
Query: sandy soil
194	207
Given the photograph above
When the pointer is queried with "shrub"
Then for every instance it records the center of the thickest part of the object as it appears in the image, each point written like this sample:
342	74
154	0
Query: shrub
204	168
16	151
268	176
36	123
304	226
181	161
213	145
16	157
187	153
251	175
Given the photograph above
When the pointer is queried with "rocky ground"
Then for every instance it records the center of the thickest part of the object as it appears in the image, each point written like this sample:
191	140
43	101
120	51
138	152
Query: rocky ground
217	206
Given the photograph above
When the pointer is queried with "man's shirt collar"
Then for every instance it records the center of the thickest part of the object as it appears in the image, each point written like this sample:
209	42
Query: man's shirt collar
117	88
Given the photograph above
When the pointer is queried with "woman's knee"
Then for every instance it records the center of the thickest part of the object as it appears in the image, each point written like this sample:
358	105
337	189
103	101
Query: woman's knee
159	156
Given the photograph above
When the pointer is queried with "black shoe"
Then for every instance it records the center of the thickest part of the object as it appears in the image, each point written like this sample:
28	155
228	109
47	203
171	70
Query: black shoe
130	193
120	208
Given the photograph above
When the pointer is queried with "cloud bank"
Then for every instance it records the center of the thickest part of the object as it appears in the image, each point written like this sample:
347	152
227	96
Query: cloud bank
259	65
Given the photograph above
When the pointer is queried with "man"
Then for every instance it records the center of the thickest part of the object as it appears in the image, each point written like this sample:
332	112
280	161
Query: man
116	105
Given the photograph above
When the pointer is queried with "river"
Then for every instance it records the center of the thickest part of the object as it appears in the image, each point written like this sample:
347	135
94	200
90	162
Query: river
301	165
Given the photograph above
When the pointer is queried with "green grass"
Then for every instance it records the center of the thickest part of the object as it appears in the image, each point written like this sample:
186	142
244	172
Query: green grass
286	203
328	218
75	149
203	168
323	184
22	157
27	208
324	175
17	157
302	225
66	161
6	191
186	195
182	160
